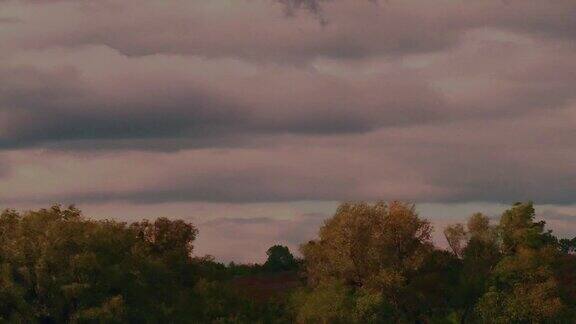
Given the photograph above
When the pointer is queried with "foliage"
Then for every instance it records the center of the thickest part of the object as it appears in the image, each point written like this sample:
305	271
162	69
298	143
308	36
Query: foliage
522	286
59	267
375	264
371	263
383	254
280	259
328	303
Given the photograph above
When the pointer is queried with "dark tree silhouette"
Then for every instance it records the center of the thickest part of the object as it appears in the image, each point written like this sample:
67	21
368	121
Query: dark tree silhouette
280	259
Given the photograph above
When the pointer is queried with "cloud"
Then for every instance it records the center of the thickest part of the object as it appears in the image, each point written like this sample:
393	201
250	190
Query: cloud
255	30
233	101
291	6
93	96
53	106
437	163
192	101
229	113
4	169
259	30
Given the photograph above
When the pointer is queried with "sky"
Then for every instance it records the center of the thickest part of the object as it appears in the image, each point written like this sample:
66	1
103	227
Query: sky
253	119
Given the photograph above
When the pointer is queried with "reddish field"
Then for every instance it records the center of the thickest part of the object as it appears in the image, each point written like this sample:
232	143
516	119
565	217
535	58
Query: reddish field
263	287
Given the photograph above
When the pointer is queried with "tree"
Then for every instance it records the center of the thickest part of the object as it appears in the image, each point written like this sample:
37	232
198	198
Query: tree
568	246
523	286
371	263
517	228
280	259
455	236
479	226
330	302
523	289
375	250
57	266
363	243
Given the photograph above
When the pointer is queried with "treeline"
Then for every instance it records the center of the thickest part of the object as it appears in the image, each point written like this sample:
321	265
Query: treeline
371	263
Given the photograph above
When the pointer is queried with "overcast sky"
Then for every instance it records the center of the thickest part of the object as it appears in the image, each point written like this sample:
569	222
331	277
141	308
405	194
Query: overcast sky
254	118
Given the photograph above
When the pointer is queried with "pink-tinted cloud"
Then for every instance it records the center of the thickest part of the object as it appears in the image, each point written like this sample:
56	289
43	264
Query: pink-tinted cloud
144	104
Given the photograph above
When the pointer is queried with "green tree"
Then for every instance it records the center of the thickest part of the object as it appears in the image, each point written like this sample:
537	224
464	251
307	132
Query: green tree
523	289
523	286
329	302
455	236
57	266
383	253
362	244
280	259
477	248
568	246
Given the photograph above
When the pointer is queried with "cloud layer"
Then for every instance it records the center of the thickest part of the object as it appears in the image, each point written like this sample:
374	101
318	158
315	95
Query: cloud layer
257	101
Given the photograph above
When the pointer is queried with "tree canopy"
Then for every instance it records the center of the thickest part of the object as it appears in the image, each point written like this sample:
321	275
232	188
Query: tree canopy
375	263
280	259
371	263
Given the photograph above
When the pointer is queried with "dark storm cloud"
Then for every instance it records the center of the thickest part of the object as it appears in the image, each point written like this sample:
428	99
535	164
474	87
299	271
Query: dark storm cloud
66	108
43	107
